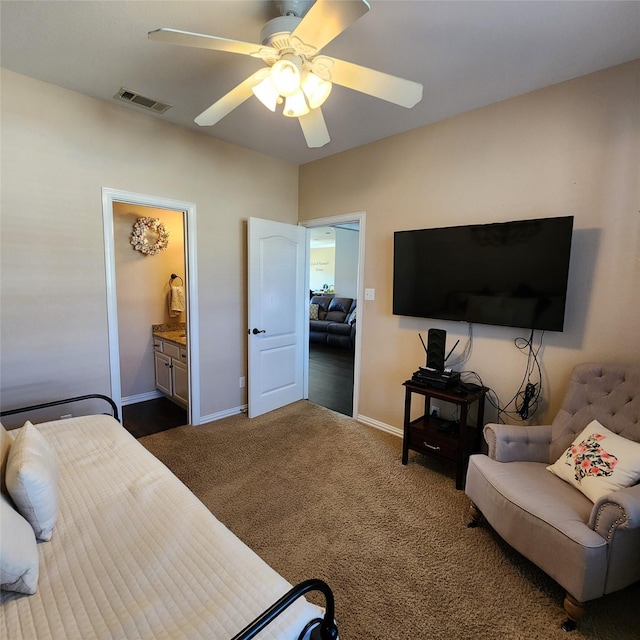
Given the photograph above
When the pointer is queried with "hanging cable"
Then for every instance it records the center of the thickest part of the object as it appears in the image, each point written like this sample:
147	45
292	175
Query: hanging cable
491	396
527	398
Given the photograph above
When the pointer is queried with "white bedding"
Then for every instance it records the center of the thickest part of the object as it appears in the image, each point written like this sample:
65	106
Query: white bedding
134	554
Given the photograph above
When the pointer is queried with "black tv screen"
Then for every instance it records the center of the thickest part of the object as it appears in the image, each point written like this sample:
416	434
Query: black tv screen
508	273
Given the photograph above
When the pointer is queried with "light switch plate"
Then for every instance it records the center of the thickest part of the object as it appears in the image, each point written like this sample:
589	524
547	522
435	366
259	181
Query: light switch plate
369	294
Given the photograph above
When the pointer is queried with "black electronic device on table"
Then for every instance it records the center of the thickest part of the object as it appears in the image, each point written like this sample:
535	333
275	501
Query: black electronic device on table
436	341
428	377
434	374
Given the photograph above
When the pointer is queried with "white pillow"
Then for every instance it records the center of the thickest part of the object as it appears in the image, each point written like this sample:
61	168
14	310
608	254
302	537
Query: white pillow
32	480
19	566
5	445
313	311
599	462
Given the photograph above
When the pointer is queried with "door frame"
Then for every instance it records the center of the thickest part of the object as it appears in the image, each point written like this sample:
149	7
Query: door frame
188	209
360	218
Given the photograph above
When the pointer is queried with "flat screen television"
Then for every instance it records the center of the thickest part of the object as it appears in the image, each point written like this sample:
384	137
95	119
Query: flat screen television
508	273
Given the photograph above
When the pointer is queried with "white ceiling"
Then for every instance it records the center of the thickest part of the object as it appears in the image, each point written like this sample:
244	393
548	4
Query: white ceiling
466	54
321	237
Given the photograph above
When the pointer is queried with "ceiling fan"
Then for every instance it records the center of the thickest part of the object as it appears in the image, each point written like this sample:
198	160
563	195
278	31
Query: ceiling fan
296	74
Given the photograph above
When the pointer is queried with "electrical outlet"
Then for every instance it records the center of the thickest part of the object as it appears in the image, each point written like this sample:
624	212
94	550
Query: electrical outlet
435	411
243	382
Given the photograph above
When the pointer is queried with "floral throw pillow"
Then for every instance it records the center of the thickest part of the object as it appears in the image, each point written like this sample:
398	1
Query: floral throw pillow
599	462
313	311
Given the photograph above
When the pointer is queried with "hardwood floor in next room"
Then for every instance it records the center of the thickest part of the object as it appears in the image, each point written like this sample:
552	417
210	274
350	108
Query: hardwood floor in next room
151	416
331	377
330	385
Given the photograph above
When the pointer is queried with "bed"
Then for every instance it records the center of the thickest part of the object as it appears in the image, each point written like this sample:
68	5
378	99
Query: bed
134	554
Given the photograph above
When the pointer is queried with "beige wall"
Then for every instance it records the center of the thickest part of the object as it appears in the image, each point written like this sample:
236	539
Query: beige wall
59	148
346	280
336	266
142	283
323	266
571	149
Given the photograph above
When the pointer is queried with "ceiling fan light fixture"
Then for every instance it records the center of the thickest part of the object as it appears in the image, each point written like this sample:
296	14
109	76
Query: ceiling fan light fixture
266	93
295	105
295	73
285	76
315	89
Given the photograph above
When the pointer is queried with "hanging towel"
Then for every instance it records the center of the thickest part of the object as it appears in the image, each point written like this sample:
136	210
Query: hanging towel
176	301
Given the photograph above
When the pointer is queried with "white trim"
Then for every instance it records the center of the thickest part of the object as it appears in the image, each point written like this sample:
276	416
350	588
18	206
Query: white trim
109	196
227	413
360	218
381	426
305	338
141	397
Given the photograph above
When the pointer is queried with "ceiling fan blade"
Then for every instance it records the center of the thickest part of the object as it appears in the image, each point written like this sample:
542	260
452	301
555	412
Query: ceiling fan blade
230	101
188	39
314	129
326	20
405	93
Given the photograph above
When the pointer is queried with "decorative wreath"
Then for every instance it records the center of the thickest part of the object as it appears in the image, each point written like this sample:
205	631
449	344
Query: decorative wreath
139	236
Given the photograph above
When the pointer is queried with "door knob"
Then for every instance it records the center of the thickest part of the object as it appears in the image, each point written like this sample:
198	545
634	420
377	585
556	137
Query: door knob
257	331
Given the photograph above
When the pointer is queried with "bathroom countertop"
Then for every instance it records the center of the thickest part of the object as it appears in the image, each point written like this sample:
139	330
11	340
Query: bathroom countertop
172	332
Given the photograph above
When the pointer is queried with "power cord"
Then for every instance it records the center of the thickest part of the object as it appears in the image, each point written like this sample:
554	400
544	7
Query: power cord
530	397
490	395
527	398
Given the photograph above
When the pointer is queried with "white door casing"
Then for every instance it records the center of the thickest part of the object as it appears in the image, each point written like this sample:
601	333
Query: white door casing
109	196
277	291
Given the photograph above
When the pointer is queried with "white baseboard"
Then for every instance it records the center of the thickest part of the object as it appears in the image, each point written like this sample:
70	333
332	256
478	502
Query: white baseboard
212	417
376	424
141	397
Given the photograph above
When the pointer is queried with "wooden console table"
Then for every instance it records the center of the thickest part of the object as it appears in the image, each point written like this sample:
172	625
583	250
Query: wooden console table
455	443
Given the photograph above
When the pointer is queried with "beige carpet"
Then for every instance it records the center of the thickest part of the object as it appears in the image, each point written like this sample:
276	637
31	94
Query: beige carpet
318	495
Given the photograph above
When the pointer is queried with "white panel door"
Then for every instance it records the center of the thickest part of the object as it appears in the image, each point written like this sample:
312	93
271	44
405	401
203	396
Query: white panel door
276	306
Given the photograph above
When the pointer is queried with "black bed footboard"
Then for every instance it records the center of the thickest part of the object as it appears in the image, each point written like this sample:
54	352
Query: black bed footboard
44	405
323	628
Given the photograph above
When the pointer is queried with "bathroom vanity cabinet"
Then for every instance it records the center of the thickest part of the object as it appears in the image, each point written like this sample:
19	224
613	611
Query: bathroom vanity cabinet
172	373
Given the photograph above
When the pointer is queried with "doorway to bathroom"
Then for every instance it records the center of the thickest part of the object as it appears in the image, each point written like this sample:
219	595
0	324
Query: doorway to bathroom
148	278
152	302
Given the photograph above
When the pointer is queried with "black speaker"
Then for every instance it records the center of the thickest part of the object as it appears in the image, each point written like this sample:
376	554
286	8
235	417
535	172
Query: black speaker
436	342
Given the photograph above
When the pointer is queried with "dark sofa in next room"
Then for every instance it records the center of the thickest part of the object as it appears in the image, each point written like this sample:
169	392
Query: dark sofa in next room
332	321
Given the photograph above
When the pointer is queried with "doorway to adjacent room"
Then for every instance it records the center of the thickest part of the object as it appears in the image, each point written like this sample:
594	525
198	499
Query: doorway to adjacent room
335	263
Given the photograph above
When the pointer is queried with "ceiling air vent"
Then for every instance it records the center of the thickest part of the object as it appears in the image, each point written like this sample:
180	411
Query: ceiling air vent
142	101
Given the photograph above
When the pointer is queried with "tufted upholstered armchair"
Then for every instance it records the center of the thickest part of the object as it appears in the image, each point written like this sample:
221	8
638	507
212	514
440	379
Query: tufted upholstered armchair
590	549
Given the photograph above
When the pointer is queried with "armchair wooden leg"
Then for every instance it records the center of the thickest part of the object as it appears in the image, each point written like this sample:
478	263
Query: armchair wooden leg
476	516
574	610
